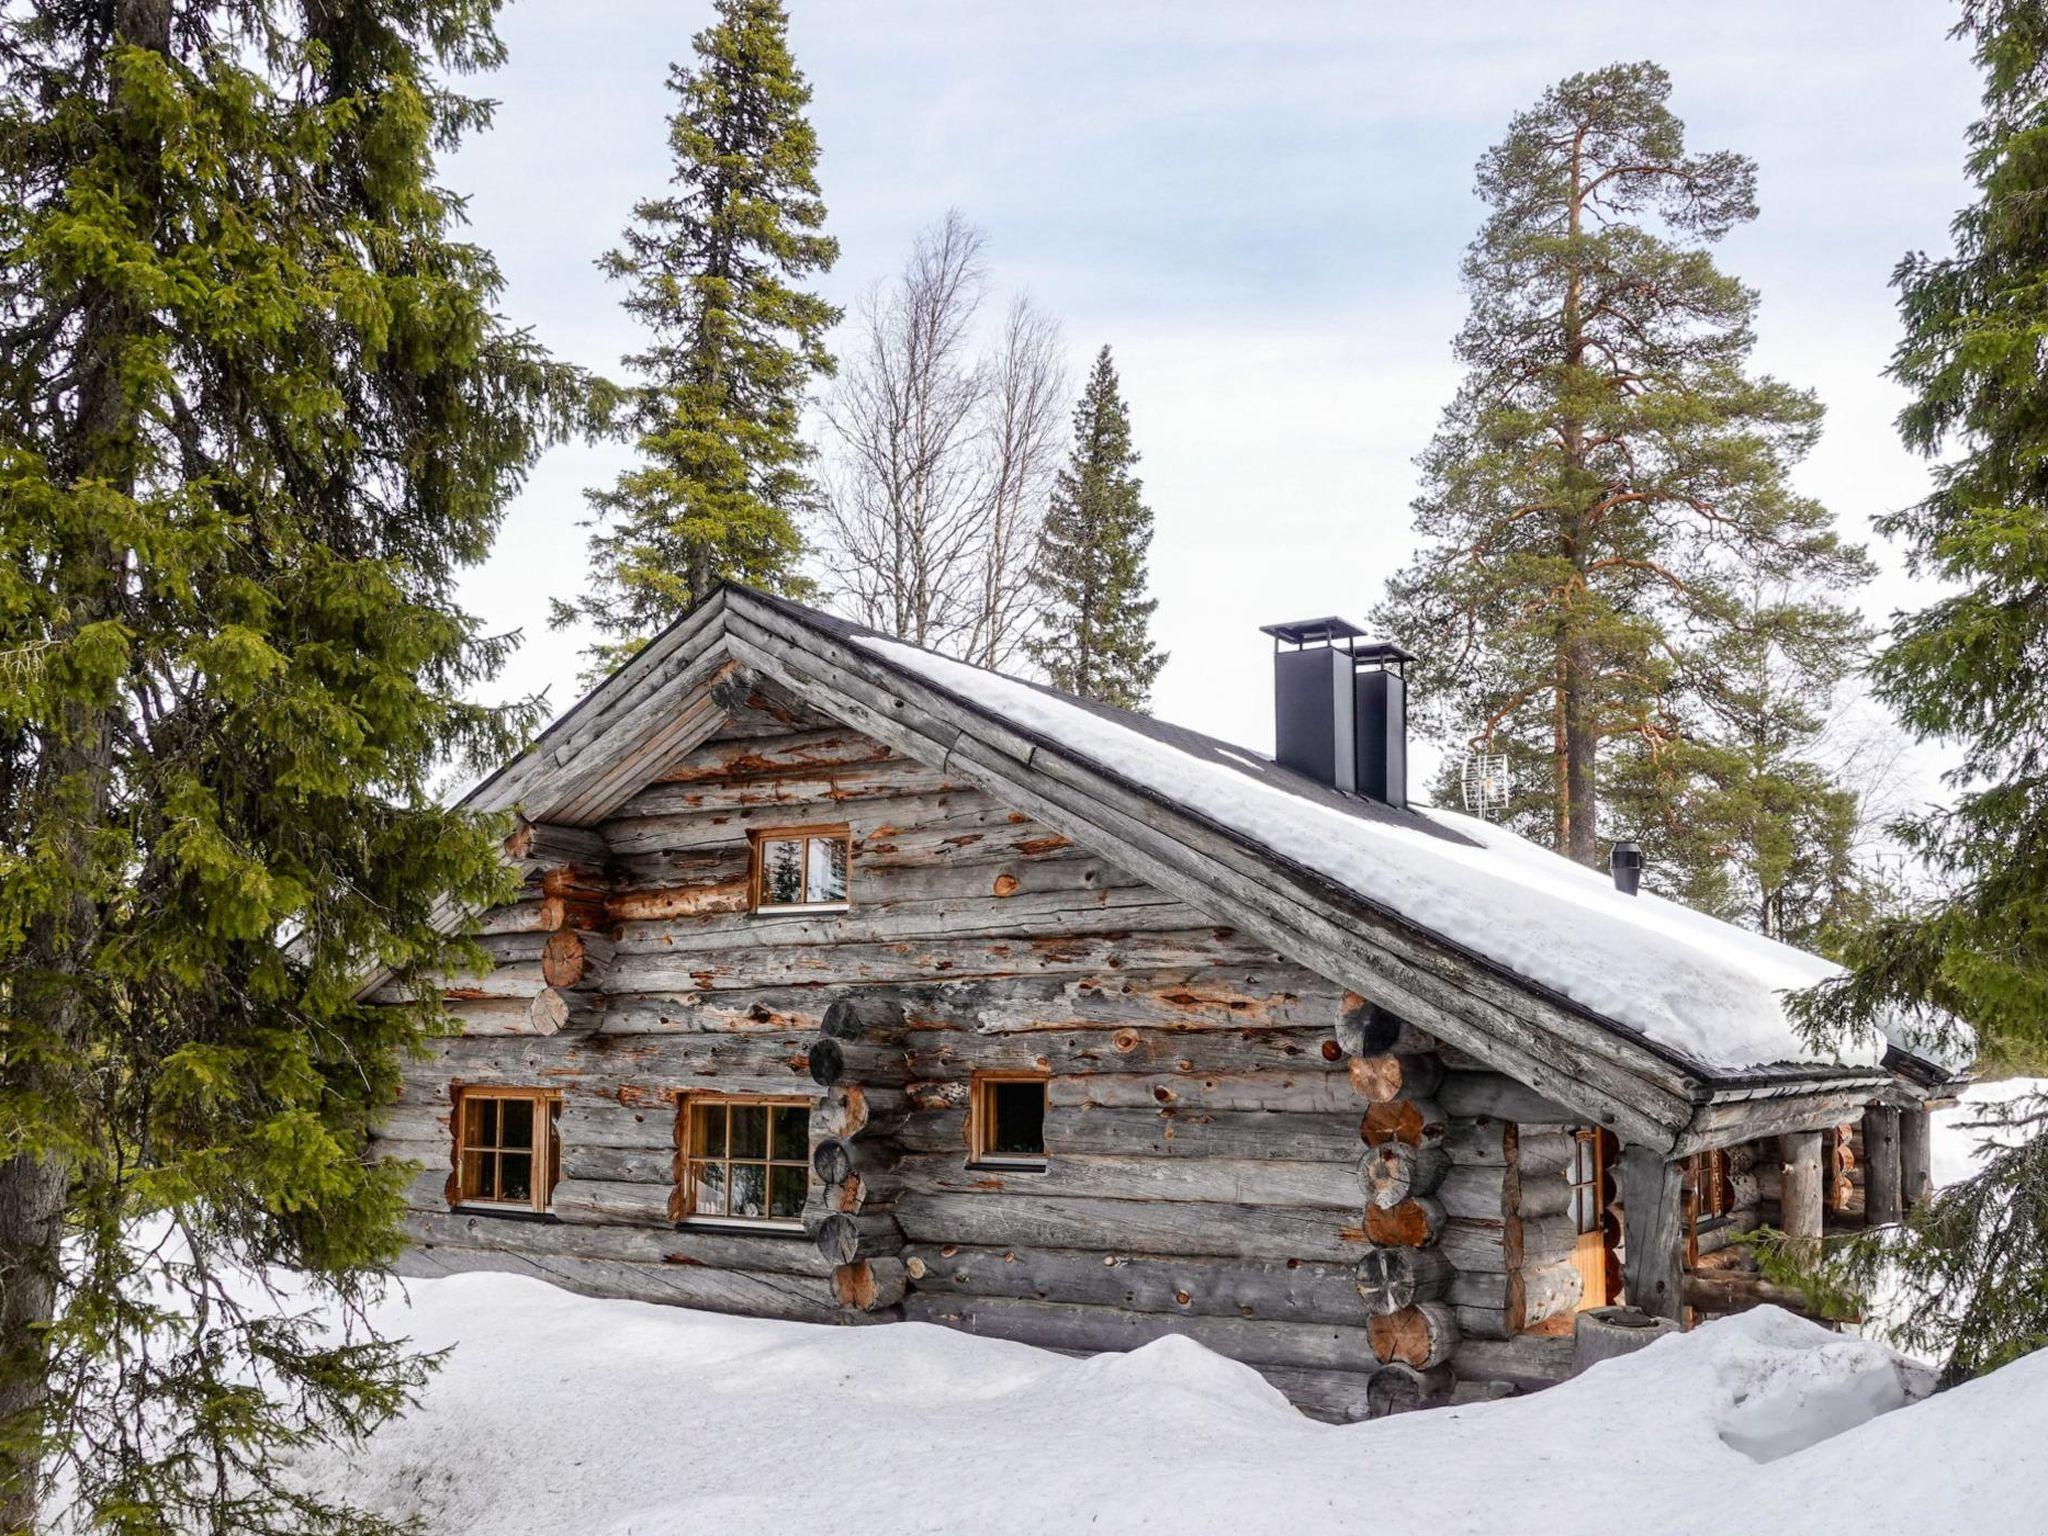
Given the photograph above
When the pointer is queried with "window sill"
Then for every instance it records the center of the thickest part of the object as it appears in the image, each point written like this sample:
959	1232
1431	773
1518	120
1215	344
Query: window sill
809	909
504	1213
1012	1164
759	1225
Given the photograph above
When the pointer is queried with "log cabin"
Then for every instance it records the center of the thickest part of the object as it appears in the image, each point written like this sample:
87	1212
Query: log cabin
849	983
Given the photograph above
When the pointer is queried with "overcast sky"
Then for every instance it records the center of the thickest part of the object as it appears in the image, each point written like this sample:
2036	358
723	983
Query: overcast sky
1261	207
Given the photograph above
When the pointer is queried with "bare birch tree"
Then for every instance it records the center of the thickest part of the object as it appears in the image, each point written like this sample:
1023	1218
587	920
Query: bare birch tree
944	454
1025	421
906	505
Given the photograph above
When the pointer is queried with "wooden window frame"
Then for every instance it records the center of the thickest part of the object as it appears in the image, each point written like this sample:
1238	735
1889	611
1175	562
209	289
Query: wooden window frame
757	881
687	1107
981	1124
1605	1157
546	1150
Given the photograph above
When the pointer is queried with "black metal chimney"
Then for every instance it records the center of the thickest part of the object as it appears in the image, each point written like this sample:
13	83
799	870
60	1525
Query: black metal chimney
1625	863
1340	709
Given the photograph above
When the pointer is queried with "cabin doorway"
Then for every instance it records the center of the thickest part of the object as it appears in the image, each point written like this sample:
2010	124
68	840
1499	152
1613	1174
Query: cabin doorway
1592	1211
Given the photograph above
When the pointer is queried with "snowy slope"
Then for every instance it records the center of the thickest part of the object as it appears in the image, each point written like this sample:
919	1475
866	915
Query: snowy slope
1697	985
556	1413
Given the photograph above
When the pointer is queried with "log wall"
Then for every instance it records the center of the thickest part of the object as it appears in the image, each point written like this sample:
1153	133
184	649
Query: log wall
1237	1150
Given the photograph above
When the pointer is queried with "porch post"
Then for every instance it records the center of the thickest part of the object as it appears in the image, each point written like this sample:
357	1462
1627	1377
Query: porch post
1652	1226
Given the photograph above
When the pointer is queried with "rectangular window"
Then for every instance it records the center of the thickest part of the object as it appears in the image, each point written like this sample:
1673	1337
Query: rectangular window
1590	1176
798	867
1008	1119
506	1147
746	1159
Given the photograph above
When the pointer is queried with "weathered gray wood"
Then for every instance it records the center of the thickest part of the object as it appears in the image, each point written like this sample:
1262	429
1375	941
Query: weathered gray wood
1062	1052
795	1298
870	1285
1417	1122
1801	1200
774	1253
864	1018
1137	1176
1883	1180
1468	1095
1335	1397
1604	1333
1743	1119
1366	1029
1395	1171
1916	1156
629	1204
1501	1247
1273	1134
1390	1279
1306	1091
1122	1226
1256	1341
1653	1216
833	1061
1528	1361
1400	1389
1278	1289
1416	1222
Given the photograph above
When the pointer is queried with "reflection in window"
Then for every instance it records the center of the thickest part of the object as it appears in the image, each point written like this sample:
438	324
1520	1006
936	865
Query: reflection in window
747	1159
801	869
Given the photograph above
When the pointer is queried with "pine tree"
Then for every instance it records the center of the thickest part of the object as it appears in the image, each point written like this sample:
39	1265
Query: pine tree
1096	640
1967	669
256	412
1608	478
712	268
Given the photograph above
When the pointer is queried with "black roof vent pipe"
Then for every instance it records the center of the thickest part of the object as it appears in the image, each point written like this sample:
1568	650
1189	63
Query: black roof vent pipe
1340	709
1625	863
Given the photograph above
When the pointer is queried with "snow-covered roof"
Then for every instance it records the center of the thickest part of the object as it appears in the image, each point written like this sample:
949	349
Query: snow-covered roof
1709	991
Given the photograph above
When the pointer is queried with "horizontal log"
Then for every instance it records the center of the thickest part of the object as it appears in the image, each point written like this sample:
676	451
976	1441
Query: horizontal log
873	1019
785	752
1236	1181
1183	1227
1419	1336
1529	1360
1127	1049
1467	1095
1492	1245
1275	1289
1255	1341
1735	1292
571	957
552	845
772	1253
589	1200
1272	1134
833	1061
1335	1397
843	1237
855	1109
792	1298
1304	1091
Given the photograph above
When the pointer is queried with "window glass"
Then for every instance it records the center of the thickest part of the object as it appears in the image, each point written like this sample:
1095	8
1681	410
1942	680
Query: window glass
749	1160
505	1151
826	872
1009	1118
782	872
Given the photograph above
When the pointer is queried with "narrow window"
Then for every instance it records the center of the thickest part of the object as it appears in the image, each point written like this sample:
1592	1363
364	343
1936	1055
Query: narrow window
1008	1119
746	1159
796	867
506	1147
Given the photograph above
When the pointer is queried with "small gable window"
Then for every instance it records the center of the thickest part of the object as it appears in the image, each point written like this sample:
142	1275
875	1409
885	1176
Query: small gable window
745	1159
1008	1119
506	1149
796	868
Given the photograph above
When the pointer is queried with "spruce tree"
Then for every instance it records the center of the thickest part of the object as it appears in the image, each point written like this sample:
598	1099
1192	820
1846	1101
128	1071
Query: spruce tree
1972	1266
1609	478
712	271
1096	641
258	413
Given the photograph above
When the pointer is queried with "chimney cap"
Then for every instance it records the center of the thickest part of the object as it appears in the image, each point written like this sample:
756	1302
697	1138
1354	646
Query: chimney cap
1325	631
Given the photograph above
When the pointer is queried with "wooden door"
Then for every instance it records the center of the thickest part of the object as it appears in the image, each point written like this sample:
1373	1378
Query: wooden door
1590	1198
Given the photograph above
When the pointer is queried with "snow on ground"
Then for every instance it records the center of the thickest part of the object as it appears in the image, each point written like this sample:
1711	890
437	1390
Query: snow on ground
556	1413
1700	986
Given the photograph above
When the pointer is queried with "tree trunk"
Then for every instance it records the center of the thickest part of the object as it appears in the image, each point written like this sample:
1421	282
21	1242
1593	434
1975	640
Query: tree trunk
31	1219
